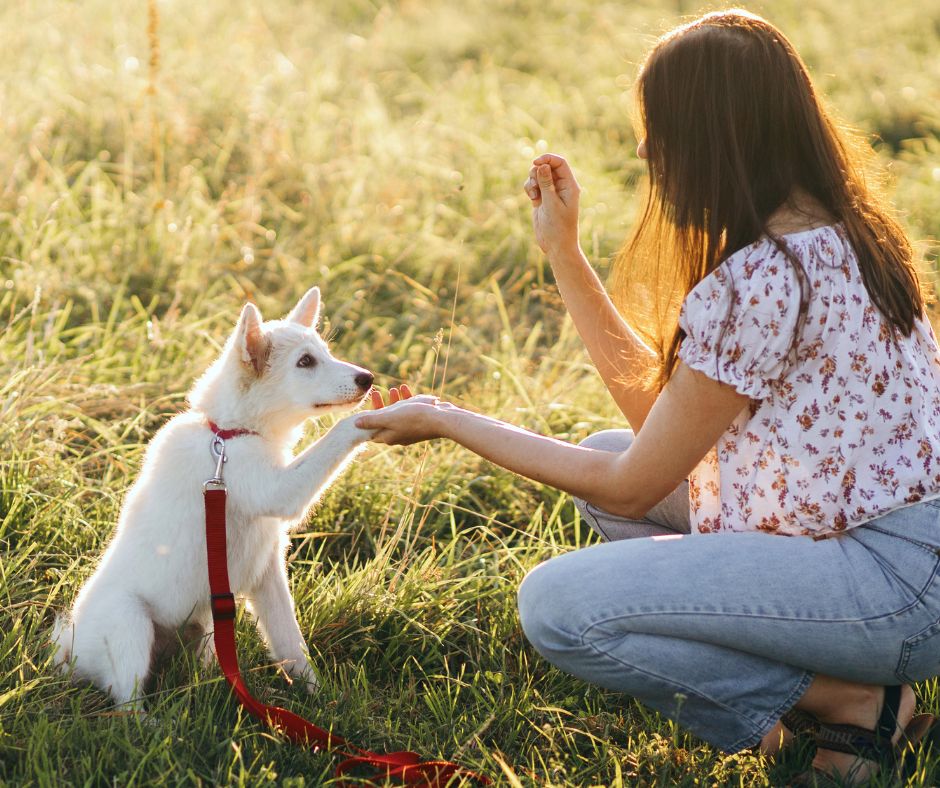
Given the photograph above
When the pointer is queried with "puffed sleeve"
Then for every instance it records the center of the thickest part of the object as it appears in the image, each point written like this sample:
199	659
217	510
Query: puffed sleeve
739	320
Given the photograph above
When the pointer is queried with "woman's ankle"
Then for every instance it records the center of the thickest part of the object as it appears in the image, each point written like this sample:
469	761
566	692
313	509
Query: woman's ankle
851	704
858	710
841	702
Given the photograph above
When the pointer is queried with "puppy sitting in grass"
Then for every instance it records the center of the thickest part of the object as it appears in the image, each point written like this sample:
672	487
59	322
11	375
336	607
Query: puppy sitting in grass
152	580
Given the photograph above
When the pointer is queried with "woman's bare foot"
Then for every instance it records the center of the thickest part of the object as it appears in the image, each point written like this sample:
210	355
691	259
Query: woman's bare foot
775	740
842	703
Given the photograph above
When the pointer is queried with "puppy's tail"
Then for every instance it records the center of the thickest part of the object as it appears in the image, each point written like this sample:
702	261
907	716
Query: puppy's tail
63	634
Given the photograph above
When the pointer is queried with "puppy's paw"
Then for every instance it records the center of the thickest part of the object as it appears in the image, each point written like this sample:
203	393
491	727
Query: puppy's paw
206	650
301	673
356	435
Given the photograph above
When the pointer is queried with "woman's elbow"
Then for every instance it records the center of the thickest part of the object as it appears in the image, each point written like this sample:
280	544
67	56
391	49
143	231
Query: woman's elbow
618	491
628	508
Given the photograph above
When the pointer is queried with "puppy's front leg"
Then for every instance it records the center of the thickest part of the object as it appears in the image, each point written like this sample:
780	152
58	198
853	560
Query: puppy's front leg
273	607
293	489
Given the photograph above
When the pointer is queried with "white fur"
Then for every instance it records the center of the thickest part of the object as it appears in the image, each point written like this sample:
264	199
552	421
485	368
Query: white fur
152	578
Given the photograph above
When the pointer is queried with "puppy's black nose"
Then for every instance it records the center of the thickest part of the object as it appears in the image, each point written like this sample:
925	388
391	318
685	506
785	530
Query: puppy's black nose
364	380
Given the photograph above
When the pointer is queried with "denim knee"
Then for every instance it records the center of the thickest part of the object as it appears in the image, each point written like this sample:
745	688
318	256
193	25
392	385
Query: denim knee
543	614
608	440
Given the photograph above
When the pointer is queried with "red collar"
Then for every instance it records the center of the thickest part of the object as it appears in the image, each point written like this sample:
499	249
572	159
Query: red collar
226	434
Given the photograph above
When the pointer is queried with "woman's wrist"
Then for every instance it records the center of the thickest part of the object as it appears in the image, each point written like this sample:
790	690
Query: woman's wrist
567	256
445	419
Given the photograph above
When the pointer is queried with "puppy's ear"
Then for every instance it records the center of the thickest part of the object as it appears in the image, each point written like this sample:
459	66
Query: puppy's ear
307	311
252	345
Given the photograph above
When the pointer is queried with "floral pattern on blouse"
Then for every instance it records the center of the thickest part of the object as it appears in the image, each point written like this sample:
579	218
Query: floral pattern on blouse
839	432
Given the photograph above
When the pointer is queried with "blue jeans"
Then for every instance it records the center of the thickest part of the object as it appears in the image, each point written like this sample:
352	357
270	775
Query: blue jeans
724	632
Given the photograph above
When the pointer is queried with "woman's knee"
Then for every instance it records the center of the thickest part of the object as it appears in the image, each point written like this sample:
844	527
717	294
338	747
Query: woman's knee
542	612
609	440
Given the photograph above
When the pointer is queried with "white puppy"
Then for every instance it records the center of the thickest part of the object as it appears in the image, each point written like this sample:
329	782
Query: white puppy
152	580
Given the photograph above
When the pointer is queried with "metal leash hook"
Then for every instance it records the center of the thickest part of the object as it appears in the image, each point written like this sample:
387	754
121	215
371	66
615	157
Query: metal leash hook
217	449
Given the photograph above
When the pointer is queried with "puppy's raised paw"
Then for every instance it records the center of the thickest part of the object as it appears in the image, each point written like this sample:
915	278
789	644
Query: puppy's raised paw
355	435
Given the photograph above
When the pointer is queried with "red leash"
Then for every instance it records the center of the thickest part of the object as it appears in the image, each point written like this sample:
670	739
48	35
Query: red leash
406	767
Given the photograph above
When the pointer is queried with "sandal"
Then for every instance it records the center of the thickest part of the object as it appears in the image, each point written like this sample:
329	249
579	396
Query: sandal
800	723
867	745
796	724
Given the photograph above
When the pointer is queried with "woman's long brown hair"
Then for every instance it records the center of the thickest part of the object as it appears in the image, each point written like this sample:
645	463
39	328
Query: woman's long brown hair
734	130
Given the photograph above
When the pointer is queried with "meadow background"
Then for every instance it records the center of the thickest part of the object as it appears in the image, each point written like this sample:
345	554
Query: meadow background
160	165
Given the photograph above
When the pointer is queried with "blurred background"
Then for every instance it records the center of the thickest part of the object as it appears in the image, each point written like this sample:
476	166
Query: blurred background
188	154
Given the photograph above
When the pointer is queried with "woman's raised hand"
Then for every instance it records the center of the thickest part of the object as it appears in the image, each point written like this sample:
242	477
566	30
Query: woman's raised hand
554	193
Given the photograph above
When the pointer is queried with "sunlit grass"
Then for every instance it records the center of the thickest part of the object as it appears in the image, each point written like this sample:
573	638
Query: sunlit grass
377	150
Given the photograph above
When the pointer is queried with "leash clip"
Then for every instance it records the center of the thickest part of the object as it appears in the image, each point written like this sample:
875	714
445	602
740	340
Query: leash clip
217	449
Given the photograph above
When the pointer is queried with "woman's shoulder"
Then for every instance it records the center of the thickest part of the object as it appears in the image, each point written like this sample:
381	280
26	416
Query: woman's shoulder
762	268
825	243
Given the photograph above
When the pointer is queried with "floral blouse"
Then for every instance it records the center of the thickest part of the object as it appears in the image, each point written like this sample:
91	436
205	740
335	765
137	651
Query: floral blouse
842	431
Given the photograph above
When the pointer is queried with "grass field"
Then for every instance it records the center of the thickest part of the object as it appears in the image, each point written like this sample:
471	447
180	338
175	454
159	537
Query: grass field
160	168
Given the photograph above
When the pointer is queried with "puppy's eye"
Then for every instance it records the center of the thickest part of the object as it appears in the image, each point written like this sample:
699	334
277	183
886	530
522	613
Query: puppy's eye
306	360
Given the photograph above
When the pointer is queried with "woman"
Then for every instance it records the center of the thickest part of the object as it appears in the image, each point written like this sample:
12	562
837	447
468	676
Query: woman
793	425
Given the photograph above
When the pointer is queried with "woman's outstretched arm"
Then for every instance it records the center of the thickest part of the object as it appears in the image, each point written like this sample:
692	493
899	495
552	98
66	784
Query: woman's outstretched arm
620	356
686	421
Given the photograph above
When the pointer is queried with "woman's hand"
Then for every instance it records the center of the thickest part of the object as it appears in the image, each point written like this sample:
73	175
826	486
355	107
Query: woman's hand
406	419
554	193
395	394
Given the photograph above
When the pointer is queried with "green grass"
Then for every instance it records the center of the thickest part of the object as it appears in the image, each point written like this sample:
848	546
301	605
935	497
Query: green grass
377	150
